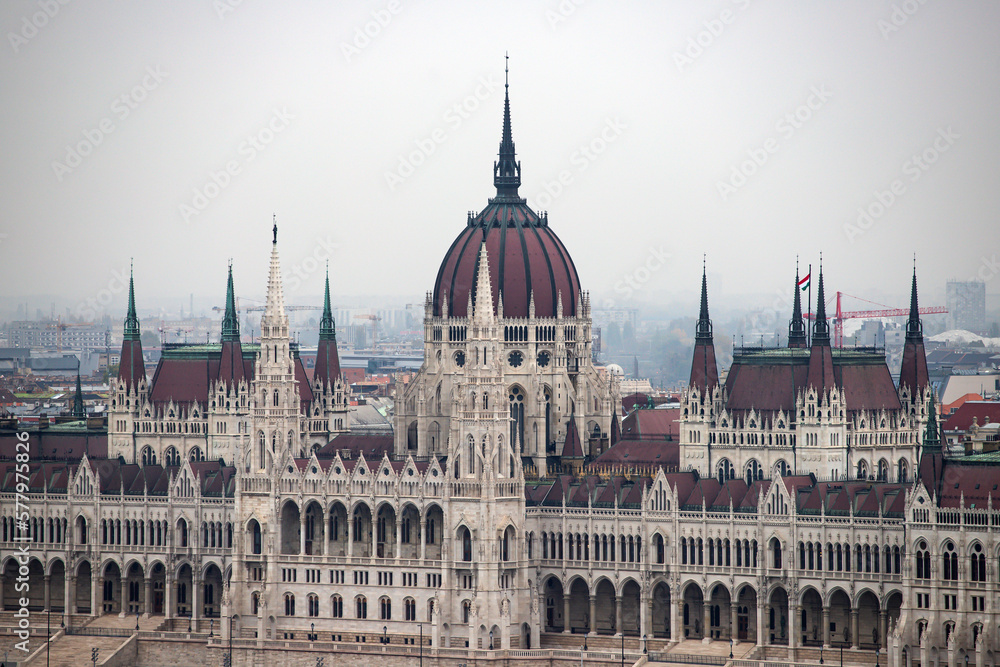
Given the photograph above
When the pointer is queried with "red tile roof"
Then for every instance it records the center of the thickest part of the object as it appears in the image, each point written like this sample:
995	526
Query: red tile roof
983	411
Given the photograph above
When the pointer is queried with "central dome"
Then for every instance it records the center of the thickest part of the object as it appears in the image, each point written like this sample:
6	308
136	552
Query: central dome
525	257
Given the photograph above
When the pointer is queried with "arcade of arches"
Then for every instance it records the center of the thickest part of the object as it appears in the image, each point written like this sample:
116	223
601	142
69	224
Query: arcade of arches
112	588
716	614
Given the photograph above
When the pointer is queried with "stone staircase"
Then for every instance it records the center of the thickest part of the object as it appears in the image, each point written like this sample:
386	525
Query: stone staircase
831	656
74	650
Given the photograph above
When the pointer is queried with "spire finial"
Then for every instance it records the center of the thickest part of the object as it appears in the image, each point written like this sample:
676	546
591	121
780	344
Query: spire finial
274	217
506	171
78	409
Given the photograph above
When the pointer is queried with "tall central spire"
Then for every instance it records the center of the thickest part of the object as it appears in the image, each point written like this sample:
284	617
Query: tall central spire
274	309
506	171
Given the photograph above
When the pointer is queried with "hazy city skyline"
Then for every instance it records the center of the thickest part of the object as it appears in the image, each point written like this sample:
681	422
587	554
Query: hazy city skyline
653	134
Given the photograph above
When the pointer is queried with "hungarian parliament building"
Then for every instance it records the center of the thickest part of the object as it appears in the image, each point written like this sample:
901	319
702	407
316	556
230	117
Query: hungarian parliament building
810	507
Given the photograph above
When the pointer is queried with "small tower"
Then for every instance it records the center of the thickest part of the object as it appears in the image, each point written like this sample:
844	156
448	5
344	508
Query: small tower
129	390
330	392
275	387
704	371
913	376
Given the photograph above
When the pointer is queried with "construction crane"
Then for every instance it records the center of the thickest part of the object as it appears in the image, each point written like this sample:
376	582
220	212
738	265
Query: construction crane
375	319
840	314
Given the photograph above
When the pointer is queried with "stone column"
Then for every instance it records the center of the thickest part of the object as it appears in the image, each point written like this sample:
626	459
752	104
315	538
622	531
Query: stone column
566	600
706	621
826	627
319	546
882	627
350	536
618	615
48	592
762	629
96	595
676	632
855	640
733	622
374	524
123	594
196	595
593	614
302	534
399	536
169	596
148	602
794	624
69	598
423	538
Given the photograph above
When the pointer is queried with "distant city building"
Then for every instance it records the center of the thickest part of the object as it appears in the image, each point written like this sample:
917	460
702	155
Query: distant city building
966	302
55	335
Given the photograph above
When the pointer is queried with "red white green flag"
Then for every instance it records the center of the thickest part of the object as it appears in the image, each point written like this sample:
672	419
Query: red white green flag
804	283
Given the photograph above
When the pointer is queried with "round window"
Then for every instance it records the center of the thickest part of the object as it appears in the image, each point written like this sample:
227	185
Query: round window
543	359
515	359
460	358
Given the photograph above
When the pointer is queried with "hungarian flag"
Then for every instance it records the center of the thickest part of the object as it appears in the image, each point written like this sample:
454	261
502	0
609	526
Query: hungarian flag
804	283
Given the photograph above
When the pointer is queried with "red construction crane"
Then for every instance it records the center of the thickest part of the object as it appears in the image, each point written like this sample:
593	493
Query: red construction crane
840	315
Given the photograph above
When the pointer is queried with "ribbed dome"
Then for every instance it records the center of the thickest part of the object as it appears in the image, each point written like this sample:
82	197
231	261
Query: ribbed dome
525	256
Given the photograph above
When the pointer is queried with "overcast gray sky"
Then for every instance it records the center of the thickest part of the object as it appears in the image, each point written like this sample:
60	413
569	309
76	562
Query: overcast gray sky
749	131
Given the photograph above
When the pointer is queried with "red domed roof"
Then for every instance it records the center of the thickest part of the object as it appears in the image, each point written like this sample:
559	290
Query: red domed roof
525	256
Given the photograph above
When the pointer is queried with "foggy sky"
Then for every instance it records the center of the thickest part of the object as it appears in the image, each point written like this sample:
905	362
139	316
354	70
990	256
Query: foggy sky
749	132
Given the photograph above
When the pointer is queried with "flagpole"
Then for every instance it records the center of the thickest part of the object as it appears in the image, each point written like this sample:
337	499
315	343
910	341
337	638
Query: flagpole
809	330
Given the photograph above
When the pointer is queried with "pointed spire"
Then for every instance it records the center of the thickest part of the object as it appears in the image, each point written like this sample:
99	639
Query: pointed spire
131	320
913	374
484	290
507	171
914	328
78	410
704	329
704	371
274	309
797	327
231	322
821	328
327	329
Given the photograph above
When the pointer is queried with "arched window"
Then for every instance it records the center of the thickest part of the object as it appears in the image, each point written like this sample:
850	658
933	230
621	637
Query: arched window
725	471
409	609
516	397
148	456
902	471
254	603
977	563
466	538
195	454
313	605
289	604
949	563
776	553
385	609
361	607
753	472
337	604
171	457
